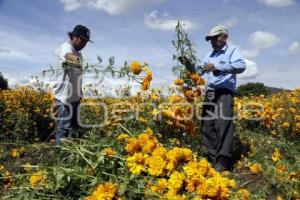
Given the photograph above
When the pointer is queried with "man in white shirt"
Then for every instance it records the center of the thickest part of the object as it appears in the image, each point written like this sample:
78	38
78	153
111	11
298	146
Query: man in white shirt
67	89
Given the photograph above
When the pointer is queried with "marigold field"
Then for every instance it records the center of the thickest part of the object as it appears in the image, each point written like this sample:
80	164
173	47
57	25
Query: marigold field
147	146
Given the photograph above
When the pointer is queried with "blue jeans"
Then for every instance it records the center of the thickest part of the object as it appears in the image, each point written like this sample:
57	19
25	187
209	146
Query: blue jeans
67	120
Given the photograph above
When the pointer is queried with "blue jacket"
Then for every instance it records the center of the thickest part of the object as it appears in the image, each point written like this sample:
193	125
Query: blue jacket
229	61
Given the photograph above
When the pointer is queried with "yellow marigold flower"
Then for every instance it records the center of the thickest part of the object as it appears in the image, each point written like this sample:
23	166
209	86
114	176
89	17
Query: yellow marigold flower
15	153
294	175
161	152
172	195
297	117
161	186
194	182
279	198
133	146
286	125
297	125
156	166
175	99
37	178
147	141
155	112
106	191
123	137
136	67
292	110
178	82
276	155
143	120
255	168
176	181
280	169
243	194
108	152
136	163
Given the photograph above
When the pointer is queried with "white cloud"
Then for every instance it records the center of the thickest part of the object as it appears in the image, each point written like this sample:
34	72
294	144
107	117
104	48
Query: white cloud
258	41
10	53
71	5
251	71
250	53
113	7
153	21
294	48
277	3
262	40
231	22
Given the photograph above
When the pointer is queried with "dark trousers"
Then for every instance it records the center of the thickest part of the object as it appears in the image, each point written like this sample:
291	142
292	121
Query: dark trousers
67	120
217	124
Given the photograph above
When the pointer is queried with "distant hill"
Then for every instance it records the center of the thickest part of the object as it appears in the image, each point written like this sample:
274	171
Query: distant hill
257	88
276	90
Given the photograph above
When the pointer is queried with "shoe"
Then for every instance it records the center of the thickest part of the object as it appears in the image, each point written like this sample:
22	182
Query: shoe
223	164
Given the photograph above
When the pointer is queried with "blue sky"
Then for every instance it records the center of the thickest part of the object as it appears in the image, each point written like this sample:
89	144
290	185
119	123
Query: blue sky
266	31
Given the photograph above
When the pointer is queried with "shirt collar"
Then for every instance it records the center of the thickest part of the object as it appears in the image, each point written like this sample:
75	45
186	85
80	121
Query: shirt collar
221	50
224	49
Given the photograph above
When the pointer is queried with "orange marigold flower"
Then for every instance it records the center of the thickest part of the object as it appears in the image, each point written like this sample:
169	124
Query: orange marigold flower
297	125
109	152
255	168
136	67
107	191
286	125
178	82
195	77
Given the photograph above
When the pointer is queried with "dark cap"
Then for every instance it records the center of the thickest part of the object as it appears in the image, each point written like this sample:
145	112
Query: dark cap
81	31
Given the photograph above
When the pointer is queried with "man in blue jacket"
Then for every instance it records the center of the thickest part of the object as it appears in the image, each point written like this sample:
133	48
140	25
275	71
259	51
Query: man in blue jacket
221	66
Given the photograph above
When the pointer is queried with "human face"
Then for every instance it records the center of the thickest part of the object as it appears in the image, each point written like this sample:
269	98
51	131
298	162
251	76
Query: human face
79	43
218	41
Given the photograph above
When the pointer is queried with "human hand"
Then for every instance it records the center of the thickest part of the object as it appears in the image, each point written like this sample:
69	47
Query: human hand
211	68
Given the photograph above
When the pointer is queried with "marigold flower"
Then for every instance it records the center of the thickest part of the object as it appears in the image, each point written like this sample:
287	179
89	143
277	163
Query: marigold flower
37	178
279	198
178	82
176	181
243	194
175	99
156	166
161	186
123	137
280	169
133	146
136	163
108	152
136	67
255	168
286	125
107	191
195	77
297	125
276	155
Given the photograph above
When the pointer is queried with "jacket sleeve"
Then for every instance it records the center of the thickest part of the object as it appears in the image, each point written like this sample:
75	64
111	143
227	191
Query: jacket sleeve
236	64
